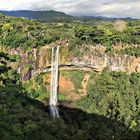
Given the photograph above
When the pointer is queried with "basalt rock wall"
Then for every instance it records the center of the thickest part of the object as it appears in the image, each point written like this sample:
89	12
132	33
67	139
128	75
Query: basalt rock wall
96	58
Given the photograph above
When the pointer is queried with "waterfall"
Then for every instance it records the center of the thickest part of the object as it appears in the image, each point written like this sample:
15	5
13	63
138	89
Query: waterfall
54	83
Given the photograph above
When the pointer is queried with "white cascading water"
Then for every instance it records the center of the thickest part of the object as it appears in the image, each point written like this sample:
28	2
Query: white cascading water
54	83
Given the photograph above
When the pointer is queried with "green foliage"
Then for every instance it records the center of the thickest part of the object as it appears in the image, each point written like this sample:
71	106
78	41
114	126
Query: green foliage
133	51
61	97
115	95
112	107
24	118
7	71
36	89
28	34
7	27
76	77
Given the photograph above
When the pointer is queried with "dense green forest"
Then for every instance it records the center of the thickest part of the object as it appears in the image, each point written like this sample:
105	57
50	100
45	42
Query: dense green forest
43	16
115	95
109	111
28	34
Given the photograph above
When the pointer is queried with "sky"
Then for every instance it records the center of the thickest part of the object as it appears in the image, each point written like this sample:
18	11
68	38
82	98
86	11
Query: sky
107	8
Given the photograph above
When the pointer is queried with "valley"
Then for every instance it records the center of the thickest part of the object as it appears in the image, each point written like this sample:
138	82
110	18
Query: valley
98	79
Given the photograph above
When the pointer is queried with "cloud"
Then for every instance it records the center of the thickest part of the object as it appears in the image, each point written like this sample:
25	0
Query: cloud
15	4
120	8
110	8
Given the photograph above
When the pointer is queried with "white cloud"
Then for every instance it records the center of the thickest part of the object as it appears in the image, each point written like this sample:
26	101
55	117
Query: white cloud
112	8
15	4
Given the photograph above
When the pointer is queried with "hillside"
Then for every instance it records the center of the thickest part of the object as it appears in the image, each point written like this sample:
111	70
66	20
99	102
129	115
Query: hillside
56	16
99	79
24	118
39	15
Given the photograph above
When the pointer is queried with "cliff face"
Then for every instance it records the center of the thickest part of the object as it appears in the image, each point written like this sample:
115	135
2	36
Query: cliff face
96	59
112	62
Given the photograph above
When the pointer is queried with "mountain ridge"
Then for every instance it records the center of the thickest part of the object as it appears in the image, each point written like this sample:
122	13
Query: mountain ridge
53	15
38	15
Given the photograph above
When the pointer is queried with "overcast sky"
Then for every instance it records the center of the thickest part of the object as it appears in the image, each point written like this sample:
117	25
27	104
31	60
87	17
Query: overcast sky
108	8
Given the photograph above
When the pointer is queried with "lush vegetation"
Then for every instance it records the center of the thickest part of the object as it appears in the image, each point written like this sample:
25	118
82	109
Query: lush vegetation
28	34
132	51
115	95
111	109
37	88
108	103
75	76
44	16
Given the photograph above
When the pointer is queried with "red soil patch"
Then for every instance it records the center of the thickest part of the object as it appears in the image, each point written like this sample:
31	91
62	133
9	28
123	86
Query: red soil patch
66	87
65	84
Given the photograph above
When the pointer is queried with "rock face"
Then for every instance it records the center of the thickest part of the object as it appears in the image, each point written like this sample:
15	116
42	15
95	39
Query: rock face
98	59
138	68
115	62
37	59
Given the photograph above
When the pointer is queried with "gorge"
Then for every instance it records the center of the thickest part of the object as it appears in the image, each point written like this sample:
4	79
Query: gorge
86	74
97	60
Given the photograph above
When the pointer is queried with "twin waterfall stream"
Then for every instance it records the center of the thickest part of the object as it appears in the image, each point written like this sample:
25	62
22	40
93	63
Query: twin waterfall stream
54	83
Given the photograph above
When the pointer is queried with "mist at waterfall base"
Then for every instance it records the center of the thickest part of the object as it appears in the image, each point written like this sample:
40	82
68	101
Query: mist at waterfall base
54	83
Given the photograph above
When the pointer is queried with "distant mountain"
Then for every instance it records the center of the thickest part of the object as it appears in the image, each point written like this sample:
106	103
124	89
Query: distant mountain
104	18
39	15
49	16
